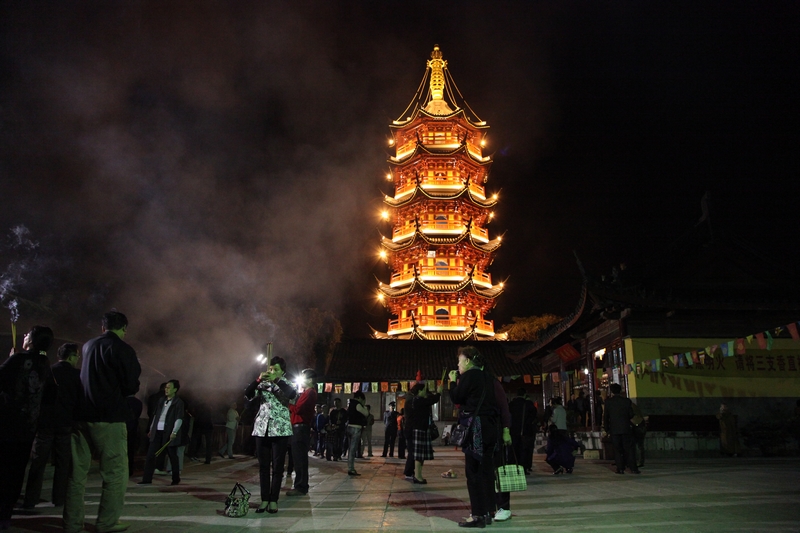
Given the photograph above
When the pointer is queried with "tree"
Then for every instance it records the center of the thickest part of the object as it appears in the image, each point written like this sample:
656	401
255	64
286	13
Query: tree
528	328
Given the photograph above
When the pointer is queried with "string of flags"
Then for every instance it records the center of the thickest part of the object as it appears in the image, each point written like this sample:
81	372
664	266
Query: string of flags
700	356
403	386
705	355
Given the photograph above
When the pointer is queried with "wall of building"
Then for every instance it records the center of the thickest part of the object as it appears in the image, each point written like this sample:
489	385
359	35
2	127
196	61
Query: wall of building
759	385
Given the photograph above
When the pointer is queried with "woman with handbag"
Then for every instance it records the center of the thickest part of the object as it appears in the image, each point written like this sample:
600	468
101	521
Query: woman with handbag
272	429
473	390
420	420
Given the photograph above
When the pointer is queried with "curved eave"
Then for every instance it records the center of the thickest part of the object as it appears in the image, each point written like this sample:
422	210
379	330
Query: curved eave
392	202
392	246
420	111
393	293
440	288
492	293
488	247
443	288
419	148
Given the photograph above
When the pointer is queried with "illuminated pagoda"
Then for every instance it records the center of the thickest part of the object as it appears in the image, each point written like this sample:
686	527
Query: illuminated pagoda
440	248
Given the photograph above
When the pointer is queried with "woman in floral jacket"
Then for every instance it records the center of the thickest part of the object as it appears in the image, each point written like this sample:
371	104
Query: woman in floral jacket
272	429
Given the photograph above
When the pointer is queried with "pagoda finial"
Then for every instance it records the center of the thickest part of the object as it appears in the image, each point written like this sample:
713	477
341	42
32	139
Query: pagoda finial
437	104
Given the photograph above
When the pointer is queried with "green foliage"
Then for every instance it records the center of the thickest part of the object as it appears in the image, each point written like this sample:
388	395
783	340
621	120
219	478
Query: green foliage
529	328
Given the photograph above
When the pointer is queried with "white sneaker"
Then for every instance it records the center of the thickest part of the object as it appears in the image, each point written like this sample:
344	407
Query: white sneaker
160	472
502	515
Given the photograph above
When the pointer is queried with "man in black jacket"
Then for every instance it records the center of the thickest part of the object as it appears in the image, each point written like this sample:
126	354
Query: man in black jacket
55	427
524	419
165	430
617	423
109	373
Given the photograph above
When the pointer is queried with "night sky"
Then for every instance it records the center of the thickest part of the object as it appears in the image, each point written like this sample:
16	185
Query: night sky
194	163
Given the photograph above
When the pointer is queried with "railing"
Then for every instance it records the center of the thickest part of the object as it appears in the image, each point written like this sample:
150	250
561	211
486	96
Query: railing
440	182
439	272
480	233
447	227
432	323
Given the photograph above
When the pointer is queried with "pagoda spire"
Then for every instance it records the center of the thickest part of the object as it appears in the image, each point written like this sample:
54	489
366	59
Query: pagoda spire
437	105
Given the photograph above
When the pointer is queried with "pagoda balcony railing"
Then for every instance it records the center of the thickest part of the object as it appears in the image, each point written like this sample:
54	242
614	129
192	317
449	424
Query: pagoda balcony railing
438	140
439	323
439	227
439	273
440	183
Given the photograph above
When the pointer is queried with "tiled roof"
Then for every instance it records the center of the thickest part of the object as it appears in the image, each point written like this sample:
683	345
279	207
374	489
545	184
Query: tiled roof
387	360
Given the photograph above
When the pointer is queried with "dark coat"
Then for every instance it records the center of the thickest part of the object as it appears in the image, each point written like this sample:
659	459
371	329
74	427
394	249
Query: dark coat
175	413
467	393
110	372
23	378
524	417
617	415
559	451
420	415
69	394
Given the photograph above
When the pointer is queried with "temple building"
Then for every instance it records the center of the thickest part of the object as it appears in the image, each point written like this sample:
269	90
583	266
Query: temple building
440	249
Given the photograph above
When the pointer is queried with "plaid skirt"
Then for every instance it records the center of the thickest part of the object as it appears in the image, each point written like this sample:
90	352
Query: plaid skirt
421	445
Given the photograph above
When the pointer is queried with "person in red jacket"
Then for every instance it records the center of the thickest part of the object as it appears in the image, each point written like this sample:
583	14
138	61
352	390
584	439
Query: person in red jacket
302	416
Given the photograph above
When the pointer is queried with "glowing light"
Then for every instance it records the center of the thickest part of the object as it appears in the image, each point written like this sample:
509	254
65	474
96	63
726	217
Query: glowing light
599	353
494	197
500	238
385	215
389	176
502	284
491	215
483	142
382	254
380	296
391	142
586	371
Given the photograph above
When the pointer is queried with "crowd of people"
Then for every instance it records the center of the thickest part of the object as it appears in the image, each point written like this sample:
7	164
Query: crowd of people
71	411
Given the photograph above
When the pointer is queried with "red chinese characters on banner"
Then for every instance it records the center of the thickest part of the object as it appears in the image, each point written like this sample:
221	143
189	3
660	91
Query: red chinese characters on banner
567	352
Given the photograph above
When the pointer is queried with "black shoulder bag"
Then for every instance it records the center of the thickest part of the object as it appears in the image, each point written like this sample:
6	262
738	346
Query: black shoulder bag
461	432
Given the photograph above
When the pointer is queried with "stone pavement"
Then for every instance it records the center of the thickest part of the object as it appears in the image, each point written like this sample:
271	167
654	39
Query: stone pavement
671	496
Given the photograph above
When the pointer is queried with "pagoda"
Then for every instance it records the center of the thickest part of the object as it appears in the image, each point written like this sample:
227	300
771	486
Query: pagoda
439	250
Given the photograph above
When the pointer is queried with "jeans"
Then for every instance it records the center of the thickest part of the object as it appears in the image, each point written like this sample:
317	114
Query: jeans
301	440
227	448
47	440
271	453
354	433
110	441
366	441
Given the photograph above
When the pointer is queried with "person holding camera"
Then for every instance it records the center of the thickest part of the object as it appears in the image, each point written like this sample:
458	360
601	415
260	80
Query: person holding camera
272	429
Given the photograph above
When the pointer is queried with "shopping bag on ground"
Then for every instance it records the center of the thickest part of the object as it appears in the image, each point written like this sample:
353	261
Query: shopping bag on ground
238	502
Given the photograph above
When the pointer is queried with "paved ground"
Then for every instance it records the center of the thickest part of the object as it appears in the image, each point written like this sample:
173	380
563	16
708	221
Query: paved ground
671	496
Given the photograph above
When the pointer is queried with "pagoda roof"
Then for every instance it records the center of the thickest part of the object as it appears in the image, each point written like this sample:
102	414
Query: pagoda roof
488	247
379	360
441	288
420	149
440	195
421	114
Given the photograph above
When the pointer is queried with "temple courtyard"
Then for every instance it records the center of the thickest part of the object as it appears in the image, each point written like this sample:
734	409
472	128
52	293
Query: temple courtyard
670	496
